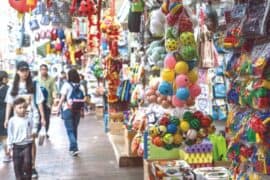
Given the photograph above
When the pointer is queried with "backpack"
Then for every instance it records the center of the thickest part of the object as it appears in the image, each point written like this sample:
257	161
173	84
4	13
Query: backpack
77	98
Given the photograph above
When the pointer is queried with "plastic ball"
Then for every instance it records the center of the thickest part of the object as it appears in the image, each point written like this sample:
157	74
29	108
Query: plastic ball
175	120
177	139
172	32
172	128
184	126
162	130
195	90
188	115
177	103
191	134
198	114
167	75
206	121
193	76
181	80
189	52
195	123
165	89
182	93
164	121
181	67
157	141
187	39
171	45
168	138
170	62
153	131
168	146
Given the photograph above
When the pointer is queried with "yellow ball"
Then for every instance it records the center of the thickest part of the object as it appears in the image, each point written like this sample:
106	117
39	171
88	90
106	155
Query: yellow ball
193	76
181	67
184	126
167	75
177	139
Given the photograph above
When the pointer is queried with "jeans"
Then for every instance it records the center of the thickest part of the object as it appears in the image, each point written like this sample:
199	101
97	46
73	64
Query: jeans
22	160
71	120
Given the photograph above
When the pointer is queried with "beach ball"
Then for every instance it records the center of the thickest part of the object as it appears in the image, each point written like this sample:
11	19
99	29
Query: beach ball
157	141
188	53
188	115
168	138
177	139
162	130
153	131
187	39
193	76
182	93
195	123
181	80
165	88
172	128
169	62
171	45
181	67
167	75
177	103
195	90
191	134
184	126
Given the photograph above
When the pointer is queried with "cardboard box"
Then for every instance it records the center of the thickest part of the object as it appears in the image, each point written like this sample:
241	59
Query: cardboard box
129	135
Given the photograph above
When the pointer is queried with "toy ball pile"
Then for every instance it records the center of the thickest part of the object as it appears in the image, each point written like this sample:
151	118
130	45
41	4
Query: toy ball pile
170	131
179	75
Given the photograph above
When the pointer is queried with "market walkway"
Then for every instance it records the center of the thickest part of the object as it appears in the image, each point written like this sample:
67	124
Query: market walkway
95	162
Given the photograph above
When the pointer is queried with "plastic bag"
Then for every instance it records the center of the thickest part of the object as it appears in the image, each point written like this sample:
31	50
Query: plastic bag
41	136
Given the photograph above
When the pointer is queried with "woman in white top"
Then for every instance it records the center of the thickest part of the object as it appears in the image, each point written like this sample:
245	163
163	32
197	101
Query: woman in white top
23	86
71	102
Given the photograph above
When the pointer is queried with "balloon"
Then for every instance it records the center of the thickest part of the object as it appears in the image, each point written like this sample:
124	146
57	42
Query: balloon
181	81
182	93
195	90
23	6
165	89
193	76
167	75
169	62
181	67
176	102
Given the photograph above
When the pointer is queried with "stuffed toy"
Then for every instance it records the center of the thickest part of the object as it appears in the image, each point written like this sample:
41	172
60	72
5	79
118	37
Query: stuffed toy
157	21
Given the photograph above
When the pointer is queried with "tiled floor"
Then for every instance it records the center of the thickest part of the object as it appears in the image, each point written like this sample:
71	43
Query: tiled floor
95	162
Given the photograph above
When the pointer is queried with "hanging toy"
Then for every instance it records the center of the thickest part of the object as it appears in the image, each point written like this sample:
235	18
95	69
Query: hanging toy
171	45
23	6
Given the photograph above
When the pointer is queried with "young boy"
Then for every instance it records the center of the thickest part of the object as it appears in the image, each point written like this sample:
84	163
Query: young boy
20	140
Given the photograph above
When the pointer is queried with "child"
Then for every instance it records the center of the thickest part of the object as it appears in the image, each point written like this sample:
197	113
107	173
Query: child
20	140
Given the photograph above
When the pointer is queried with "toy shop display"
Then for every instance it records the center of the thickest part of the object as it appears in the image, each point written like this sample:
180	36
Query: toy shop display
212	173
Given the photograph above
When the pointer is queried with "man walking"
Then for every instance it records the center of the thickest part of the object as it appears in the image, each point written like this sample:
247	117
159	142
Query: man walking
49	91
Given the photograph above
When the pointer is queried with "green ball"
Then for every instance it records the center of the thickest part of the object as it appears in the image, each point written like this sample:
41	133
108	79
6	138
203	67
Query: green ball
175	120
188	116
168	146
195	123
188	53
168	138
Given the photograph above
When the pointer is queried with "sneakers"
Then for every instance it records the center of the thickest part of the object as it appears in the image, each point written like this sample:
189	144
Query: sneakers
7	159
74	153
34	173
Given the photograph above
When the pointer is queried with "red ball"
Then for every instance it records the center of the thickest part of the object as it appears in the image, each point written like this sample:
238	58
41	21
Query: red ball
206	121
198	114
164	121
157	141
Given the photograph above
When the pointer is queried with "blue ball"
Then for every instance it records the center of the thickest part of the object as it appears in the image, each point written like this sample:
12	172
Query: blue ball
165	88
182	93
172	128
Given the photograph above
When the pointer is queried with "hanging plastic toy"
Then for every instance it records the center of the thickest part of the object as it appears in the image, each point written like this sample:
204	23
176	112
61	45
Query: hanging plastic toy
23	6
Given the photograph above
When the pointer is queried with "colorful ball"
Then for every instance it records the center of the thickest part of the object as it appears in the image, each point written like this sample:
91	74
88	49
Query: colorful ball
175	120
181	80
198	114
153	131
162	130
206	121
184	126
193	76
195	123
170	62
167	75
195	90
171	45
158	141
164	121
188	115
172	128
177	139
182	93
181	67
191	134
165	89
189	53
168	138
168	146
187	39
177	103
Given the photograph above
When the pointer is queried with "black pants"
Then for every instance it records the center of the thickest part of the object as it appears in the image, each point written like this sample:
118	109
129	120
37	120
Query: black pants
47	112
22	160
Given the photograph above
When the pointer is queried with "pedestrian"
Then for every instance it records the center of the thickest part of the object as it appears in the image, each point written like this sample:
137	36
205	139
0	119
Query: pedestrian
72	102
3	132
61	80
83	83
48	88
20	140
23	86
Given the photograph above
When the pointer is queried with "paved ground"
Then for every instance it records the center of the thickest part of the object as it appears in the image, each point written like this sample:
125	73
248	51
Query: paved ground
95	162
